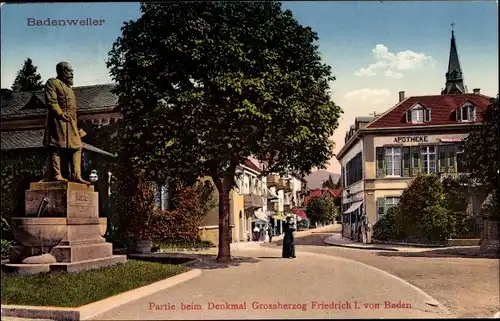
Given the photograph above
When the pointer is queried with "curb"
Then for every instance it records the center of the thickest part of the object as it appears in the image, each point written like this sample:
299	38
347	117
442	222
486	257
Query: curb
91	310
430	301
349	246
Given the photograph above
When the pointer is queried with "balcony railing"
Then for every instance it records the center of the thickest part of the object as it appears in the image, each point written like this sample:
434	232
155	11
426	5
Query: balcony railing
252	200
272	180
281	184
460	176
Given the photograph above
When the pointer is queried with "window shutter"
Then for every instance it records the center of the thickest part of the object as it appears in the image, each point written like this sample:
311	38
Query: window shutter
165	197
427	115
458	113
453	162
442	159
408	116
415	161
472	113
406	161
380	207
380	161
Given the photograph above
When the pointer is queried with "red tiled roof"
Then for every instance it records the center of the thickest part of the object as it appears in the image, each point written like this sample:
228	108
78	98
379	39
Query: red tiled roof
321	192
251	165
299	212
442	110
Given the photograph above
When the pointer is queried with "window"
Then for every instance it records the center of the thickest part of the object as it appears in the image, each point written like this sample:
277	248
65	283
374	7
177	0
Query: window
162	196
428	159
246	182
384	204
393	161
354	170
466	113
418	114
461	168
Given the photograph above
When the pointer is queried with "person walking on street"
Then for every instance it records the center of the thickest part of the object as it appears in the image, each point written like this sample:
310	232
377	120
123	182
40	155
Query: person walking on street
270	233
288	240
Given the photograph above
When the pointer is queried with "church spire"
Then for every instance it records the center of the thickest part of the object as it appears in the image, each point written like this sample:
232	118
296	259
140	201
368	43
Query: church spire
454	76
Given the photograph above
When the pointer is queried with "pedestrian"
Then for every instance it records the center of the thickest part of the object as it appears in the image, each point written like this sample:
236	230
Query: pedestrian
270	233
256	233
288	239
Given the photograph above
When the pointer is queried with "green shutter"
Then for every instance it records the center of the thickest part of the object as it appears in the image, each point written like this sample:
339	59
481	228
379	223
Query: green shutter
406	160
427	115
380	206
453	162
379	151
416	163
442	150
408	116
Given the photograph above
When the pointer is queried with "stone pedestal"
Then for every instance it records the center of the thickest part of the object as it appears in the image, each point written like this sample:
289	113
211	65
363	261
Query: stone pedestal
62	221
490	242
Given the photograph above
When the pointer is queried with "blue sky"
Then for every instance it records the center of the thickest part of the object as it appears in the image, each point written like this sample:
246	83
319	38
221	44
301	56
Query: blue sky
375	49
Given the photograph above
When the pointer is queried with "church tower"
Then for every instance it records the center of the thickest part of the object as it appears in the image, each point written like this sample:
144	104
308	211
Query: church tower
454	76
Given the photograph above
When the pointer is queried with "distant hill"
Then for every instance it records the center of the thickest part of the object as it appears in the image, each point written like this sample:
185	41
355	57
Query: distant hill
316	179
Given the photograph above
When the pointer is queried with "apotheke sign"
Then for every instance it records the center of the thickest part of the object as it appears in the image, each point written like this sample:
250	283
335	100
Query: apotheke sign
413	139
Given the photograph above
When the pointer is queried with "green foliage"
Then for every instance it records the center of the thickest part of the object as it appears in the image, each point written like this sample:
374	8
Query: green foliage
27	79
389	226
182	244
437	224
205	85
330	184
5	246
77	289
481	149
19	168
321	210
428	211
181	223
303	224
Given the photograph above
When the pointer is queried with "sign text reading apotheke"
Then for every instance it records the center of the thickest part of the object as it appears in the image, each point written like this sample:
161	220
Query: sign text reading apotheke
413	139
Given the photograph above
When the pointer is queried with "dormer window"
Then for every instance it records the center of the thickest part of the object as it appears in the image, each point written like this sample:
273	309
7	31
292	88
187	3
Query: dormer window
418	114
466	113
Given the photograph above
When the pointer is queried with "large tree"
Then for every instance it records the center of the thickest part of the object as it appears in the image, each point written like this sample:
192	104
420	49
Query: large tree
27	79
207	84
481	149
321	210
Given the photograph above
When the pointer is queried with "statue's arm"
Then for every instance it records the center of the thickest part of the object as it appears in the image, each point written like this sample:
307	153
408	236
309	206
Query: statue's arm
51	97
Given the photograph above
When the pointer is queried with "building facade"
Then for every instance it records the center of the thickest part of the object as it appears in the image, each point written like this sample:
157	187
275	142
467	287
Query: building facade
419	135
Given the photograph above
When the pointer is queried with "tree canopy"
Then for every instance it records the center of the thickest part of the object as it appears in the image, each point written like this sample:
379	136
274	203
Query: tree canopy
27	79
207	84
321	210
481	149
328	183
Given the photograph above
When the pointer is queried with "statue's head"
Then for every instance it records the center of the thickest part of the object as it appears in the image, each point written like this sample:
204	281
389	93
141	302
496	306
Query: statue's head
65	73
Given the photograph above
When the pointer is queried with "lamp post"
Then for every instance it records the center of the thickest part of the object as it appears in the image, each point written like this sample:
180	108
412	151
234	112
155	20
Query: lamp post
93	176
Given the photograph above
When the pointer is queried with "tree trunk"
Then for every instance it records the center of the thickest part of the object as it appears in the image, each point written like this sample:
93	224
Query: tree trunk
224	187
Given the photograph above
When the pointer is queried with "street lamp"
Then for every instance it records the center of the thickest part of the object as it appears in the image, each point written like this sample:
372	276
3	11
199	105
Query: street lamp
93	176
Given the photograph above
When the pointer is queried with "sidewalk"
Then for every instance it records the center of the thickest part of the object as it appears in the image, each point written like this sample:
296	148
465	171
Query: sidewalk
338	240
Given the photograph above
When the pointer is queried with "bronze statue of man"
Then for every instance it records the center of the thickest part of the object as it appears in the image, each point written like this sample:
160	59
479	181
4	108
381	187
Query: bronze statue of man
62	136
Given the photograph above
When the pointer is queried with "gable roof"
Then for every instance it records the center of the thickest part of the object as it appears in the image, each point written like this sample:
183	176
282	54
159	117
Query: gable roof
322	192
248	163
88	98
443	110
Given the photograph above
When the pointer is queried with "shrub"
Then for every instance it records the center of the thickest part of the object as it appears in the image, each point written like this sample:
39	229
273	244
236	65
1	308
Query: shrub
303	224
5	246
437	224
389	226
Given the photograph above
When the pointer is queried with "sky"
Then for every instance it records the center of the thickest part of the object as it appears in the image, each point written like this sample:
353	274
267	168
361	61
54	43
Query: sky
375	49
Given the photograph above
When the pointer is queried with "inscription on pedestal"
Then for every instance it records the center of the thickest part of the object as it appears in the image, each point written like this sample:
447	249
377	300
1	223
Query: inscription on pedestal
55	206
83	204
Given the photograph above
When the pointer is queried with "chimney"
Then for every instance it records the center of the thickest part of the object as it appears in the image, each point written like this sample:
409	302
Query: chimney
476	91
401	96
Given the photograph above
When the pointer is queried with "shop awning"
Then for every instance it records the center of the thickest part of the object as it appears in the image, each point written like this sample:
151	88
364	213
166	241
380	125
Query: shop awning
451	139
300	213
354	206
259	216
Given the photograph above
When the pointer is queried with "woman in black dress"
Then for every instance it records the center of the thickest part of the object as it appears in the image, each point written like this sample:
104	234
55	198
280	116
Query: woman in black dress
288	239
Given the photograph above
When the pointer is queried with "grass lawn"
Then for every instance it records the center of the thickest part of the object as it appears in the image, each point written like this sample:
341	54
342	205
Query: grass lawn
77	289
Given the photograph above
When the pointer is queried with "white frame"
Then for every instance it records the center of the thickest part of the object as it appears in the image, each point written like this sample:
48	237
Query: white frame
417	111
470	111
426	154
394	154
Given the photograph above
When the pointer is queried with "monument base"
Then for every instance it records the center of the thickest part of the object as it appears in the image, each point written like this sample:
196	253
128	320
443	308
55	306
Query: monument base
61	232
31	269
